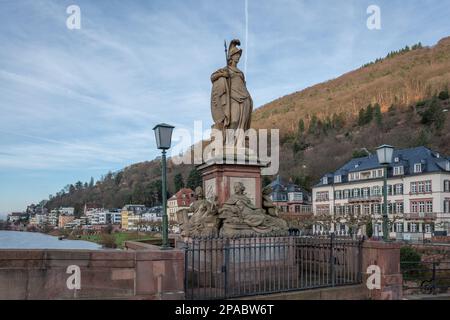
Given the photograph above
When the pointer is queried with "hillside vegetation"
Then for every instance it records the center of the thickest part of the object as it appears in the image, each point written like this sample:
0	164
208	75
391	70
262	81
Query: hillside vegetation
401	100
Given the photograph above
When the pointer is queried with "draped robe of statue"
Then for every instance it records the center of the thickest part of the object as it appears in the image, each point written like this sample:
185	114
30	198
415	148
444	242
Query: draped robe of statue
231	103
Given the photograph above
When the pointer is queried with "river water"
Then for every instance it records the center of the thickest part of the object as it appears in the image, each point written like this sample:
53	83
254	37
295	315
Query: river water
35	240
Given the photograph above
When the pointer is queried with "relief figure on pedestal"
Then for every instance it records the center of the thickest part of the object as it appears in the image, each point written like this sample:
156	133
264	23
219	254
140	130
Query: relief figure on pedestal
203	221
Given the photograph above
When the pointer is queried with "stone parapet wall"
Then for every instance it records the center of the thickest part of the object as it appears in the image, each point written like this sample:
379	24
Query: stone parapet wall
44	274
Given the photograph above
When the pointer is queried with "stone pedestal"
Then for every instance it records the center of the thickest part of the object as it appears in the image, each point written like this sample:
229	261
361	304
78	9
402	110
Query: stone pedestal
219	179
387	257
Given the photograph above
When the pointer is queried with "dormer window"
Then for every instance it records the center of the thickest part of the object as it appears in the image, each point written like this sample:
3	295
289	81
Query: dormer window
396	159
398	171
417	168
338	179
325	180
447	166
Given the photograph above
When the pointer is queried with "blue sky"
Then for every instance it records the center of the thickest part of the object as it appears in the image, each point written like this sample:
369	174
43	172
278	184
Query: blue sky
79	103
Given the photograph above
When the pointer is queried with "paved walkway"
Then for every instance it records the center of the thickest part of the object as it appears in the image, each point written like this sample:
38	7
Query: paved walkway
444	296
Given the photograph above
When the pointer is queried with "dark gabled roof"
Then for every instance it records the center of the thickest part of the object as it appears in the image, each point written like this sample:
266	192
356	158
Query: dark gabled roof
431	161
278	185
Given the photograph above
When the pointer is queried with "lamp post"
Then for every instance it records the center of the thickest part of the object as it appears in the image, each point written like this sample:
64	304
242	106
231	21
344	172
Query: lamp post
384	154
163	135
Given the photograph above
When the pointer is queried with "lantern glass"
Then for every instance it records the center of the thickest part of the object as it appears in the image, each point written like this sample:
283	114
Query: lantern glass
385	154
163	135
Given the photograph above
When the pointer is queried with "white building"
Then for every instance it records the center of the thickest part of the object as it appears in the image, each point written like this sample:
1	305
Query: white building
38	219
418	193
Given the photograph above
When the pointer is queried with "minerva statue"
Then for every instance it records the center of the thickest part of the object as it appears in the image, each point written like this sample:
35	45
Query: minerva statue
231	103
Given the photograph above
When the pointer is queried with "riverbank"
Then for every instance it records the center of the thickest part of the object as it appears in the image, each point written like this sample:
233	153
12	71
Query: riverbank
118	238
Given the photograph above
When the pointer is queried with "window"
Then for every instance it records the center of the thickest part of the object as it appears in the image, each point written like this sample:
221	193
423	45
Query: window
399	227
399	207
322	196
399	189
398	171
353	176
414	207
380	173
338	194
396	159
413	187
325	180
446	185
376	208
346	194
422	206
337	179
429	206
428	228
376	191
428	186
447	206
365	192
347	209
413	227
356	193
357	209
321	210
421	187
366	209
417	168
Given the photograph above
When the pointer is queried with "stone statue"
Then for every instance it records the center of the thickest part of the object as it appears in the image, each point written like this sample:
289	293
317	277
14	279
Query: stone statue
240	217
203	221
268	205
231	103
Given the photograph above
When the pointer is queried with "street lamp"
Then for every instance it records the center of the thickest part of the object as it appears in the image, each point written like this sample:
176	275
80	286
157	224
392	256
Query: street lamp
163	135
384	154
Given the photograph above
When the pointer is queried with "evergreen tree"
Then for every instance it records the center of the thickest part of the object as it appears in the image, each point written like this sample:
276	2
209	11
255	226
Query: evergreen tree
178	181
91	183
368	115
313	125
194	179
377	114
361	117
301	127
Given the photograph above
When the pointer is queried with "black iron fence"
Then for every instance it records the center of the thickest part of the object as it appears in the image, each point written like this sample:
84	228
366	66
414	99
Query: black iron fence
425	277
219	268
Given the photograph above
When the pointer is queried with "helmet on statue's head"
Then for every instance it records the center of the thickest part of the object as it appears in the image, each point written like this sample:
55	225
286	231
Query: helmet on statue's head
233	49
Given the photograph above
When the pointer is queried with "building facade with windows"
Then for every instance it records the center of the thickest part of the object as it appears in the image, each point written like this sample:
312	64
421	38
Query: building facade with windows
418	193
180	200
290	198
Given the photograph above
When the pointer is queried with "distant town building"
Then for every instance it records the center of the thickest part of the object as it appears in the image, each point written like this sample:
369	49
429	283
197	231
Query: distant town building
18	217
38	220
418	193
131	215
63	219
180	200
290	198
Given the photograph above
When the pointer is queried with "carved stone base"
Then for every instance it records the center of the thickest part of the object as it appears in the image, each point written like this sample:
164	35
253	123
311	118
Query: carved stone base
219	179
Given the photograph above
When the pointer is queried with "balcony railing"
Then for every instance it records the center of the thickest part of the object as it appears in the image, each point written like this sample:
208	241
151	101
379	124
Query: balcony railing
427	215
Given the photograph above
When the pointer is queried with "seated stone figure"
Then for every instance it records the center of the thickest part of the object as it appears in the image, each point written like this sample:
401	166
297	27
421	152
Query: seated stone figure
203	221
240	217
